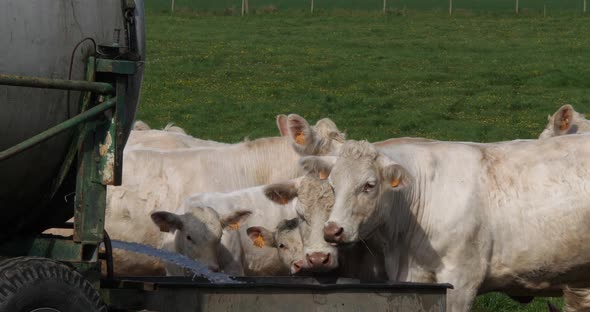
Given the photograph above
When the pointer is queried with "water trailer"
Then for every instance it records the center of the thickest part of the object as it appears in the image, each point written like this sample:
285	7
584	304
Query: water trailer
70	79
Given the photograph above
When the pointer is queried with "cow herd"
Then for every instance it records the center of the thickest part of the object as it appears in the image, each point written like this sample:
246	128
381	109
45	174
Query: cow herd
508	216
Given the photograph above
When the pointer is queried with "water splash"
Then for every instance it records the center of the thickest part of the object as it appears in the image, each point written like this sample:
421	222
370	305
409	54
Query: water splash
177	259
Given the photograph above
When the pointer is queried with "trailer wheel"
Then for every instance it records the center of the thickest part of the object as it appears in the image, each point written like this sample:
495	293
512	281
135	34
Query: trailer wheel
30	284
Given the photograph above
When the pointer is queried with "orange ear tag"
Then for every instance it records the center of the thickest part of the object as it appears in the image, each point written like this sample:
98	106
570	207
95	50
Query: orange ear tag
323	175
564	124
395	183
234	226
283	201
259	242
300	138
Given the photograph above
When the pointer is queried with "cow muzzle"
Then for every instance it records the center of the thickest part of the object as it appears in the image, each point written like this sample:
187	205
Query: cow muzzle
320	262
333	233
296	266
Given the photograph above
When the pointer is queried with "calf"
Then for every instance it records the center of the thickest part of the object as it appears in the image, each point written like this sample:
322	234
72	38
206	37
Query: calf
286	239
197	233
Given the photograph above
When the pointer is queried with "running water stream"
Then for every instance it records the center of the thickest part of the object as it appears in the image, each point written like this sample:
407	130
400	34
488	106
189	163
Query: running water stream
177	259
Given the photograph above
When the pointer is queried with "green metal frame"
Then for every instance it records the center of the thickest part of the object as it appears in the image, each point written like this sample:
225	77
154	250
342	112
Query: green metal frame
99	147
47	83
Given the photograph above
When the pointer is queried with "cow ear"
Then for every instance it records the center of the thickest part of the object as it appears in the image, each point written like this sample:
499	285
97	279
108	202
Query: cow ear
140	126
261	236
396	176
326	128
300	131
281	193
167	221
563	119
232	220
282	124
318	166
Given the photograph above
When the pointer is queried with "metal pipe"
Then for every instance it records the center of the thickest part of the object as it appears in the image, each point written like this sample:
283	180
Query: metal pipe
57	129
47	83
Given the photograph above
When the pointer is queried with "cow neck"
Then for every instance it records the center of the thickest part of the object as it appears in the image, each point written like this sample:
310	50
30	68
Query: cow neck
268	160
411	222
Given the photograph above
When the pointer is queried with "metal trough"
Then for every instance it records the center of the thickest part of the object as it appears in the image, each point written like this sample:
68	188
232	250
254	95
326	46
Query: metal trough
261	294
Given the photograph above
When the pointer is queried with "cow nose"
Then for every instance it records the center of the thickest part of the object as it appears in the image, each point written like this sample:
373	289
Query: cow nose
333	232
296	267
318	259
214	268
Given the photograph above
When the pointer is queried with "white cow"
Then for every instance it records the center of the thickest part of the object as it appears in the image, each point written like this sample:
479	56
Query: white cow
160	180
173	137
166	140
483	217
565	121
313	199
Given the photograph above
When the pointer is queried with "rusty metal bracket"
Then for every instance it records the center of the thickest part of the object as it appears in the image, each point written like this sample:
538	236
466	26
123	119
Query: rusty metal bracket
116	66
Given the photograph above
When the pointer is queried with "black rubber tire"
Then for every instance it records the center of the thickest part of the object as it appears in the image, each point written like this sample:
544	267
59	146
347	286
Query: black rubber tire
28	283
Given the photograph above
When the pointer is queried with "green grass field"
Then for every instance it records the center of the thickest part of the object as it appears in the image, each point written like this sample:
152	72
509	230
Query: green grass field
475	78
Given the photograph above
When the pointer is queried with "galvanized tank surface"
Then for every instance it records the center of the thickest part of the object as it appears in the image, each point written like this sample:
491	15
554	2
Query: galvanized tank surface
38	38
270	294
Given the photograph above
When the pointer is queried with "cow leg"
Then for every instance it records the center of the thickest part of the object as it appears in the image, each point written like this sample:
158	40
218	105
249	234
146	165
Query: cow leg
576	299
460	300
465	283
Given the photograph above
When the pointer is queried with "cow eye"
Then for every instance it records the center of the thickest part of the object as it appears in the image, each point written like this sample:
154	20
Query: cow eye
189	238
368	186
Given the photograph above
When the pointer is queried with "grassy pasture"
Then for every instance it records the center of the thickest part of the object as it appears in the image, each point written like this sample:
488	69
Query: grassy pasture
485	78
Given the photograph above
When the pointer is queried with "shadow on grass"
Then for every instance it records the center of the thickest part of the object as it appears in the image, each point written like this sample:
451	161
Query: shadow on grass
497	302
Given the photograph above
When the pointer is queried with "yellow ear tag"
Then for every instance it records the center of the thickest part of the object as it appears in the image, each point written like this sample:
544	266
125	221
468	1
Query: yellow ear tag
259	242
323	175
234	226
300	138
395	183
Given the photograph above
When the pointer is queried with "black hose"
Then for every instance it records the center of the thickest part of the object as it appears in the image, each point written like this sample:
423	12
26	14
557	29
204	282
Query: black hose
71	66
108	248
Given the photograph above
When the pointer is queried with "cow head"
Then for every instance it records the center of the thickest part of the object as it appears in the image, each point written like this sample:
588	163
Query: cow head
315	201
322	139
198	231
286	239
565	121
364	183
